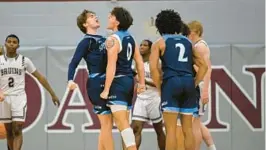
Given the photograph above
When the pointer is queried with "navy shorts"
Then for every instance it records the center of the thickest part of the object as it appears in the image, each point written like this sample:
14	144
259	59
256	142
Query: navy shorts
95	86
196	113
121	91
179	95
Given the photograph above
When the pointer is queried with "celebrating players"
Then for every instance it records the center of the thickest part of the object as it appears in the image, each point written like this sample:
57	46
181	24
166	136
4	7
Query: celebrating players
119	83
92	49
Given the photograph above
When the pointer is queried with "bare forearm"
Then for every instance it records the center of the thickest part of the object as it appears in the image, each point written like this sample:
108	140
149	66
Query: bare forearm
156	78
46	85
149	83
110	74
141	74
200	74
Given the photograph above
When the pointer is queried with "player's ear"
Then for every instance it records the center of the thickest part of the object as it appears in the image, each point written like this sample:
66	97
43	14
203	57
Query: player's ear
18	46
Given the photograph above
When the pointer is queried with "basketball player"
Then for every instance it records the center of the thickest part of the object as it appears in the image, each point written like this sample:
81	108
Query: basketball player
13	67
178	86
92	49
200	130
179	132
119	83
147	105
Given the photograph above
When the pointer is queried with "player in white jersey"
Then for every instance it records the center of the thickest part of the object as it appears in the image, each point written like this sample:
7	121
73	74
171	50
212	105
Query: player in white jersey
13	100
200	130
147	105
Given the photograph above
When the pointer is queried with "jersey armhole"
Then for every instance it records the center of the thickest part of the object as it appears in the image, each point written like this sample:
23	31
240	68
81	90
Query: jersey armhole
119	41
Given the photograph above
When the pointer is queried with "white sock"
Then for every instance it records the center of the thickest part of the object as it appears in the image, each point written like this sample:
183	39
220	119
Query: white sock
212	147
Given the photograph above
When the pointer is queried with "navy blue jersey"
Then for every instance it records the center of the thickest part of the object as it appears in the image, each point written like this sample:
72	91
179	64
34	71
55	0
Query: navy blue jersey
126	53
177	59
92	49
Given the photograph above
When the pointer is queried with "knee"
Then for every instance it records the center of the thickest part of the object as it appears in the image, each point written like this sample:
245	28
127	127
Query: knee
17	130
137	129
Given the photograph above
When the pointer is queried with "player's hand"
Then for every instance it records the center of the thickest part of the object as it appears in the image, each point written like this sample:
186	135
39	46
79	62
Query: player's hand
56	101
104	94
141	88
2	96
72	85
204	97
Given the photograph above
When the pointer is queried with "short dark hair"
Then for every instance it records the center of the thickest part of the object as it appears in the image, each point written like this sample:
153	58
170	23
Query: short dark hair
149	42
12	36
168	22
124	18
82	18
185	30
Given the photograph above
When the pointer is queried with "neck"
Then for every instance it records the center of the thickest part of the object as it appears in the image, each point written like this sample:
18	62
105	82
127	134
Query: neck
146	57
11	55
115	29
91	31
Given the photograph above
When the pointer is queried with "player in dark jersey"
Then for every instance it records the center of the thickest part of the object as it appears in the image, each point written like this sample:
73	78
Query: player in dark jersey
178	87
92	49
119	84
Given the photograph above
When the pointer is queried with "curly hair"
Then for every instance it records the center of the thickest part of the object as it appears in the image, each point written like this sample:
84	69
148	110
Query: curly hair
168	22
185	30
82	18
124	18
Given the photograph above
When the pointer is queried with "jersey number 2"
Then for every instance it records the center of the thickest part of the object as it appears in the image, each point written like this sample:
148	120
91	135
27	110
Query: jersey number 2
11	82
181	56
129	51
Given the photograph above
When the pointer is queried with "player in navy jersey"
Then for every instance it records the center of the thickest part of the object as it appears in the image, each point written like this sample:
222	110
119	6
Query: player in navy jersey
178	95
119	84
92	49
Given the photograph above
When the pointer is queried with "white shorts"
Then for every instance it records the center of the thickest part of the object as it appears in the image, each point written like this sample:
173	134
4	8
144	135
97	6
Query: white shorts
13	108
148	110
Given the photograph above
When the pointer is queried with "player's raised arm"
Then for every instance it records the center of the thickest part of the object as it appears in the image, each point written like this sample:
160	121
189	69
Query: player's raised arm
140	69
154	63
31	69
81	49
201	64
112	46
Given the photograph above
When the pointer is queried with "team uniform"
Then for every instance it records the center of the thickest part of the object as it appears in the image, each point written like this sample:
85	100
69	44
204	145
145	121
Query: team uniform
92	49
122	88
178	87
147	105
201	107
12	83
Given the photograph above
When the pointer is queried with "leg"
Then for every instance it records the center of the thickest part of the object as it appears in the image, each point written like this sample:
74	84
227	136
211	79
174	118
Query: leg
17	127
170	119
120	117
179	136
9	134
186	121
123	144
100	142
206	135
137	129
106	137
197	133
158	127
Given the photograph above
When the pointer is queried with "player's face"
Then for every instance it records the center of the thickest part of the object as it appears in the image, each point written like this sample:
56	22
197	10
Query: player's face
92	21
192	35
112	22
144	48
11	45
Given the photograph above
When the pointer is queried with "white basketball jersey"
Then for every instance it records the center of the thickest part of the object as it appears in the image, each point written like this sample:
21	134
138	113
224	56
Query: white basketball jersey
12	73
151	91
205	43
